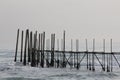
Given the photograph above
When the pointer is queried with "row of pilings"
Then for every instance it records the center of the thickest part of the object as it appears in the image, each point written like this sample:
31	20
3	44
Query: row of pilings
34	53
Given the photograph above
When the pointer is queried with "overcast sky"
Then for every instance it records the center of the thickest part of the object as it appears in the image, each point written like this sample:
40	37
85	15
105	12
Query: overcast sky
80	18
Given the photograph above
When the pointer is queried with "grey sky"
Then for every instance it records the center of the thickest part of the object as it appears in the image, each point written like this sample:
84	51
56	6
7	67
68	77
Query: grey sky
80	18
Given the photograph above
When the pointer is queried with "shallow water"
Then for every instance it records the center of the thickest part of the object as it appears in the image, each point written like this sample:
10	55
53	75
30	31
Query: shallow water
15	71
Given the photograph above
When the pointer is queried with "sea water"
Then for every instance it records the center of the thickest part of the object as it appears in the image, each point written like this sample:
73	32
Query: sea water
16	71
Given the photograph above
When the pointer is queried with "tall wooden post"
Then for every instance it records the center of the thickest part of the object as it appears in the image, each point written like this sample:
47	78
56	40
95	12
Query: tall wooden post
28	47
93	67
43	47
77	47
41	51
58	53
87	52
38	53
21	46
103	55
71	54
64	62
47	48
111	56
52	49
31	48
24	62
16	46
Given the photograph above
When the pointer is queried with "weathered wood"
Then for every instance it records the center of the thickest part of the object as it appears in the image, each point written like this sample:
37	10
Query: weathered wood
111	56
64	61
24	61
47	56
33	63
37	54
41	64
58	53
77	48
93	67
43	47
87	53
52	49
28	47
21	47
16	46
103	55
31	39
71	55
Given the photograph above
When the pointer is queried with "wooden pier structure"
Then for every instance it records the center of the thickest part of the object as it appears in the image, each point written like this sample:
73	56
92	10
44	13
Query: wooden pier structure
41	52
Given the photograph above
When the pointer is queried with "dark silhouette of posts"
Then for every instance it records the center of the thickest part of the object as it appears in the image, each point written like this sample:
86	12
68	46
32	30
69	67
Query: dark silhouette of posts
16	46
28	47
52	49
103	55
77	47
38	53
108	62
48	48
87	53
42	48
41	64
33	59
111	56
24	61
58	53
71	54
21	46
93	67
61	54
31	48
64	62
89	61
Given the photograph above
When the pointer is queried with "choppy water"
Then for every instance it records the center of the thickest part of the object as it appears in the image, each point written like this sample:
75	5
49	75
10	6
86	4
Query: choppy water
11	71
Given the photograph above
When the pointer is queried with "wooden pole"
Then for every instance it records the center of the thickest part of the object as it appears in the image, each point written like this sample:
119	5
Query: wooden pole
77	46
41	50
24	62
71	61
108	63
52	49
16	46
104	54
38	53
28	47
47	47
43	47
93	67
31	48
87	52
111	57
57	53
89	61
64	62
21	46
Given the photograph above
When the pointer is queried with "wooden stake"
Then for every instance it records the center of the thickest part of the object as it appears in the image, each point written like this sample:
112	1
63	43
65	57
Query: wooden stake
21	46
87	52
28	47
16	46
93	68
24	62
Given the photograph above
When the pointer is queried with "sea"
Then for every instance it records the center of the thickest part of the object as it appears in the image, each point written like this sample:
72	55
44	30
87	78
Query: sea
9	70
